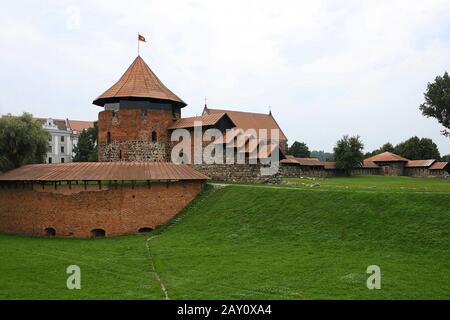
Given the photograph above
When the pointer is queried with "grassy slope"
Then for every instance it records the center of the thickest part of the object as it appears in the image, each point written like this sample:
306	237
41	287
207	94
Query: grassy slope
248	242
256	242
111	268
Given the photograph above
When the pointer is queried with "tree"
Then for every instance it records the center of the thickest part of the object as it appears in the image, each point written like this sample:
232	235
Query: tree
299	150
22	141
385	147
446	158
417	149
437	101
86	149
348	153
322	155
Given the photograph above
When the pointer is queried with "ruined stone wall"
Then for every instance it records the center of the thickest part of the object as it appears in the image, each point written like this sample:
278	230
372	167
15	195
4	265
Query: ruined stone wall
238	172
297	171
417	172
76	210
425	172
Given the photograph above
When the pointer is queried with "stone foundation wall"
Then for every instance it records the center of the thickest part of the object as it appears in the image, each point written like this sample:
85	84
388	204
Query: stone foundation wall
134	151
237	172
75	211
296	171
425	172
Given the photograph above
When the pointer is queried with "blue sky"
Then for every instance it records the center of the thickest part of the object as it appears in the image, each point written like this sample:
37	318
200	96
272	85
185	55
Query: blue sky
327	68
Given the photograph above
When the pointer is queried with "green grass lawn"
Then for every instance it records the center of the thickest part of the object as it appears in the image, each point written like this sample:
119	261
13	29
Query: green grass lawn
247	242
374	183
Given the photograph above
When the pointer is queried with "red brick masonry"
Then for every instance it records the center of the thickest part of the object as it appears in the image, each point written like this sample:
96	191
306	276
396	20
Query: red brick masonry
76	211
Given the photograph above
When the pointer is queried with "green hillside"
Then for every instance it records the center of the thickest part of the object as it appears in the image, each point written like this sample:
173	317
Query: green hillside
255	242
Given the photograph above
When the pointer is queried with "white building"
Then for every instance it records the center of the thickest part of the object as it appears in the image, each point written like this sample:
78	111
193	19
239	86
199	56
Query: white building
63	137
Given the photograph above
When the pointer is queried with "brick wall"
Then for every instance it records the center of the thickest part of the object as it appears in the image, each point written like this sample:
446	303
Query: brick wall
130	132
74	211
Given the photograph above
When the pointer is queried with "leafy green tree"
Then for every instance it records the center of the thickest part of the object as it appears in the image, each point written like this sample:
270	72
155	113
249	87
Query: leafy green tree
446	158
22	141
322	155
385	147
299	150
86	149
348	153
417	149
437	101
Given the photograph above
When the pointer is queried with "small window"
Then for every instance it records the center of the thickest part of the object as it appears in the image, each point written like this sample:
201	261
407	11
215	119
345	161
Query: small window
120	154
62	138
50	232
144	112
50	160
62	149
98	233
50	139
154	137
62	160
49	149
108	137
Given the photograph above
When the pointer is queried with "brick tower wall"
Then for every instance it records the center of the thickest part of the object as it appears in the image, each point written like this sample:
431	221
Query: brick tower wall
131	132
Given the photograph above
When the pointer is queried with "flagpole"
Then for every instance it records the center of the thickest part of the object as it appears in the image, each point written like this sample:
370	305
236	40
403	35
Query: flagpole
138	43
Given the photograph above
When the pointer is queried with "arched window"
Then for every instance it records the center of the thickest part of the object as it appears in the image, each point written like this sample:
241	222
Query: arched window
108	137
50	232
145	229
154	137
97	233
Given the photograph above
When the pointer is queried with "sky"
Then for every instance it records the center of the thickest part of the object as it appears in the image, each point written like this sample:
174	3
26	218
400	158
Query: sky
325	68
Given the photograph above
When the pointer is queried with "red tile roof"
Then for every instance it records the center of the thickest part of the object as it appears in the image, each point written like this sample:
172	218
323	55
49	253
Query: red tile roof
103	171
439	166
79	125
139	82
369	164
387	157
206	120
250	120
329	165
420	163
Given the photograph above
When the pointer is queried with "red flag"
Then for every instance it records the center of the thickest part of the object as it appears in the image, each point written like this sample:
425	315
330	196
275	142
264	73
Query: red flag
141	38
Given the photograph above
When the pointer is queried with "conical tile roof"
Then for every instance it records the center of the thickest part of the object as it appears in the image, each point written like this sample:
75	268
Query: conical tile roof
138	83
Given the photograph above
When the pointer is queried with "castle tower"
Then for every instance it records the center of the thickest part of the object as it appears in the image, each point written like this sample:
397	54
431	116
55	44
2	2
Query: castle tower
138	110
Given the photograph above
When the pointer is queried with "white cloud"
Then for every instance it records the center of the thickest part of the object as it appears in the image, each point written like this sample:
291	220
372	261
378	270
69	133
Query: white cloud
327	67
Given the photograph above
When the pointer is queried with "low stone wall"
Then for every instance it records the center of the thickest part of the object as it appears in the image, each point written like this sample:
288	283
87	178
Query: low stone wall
425	173
76	210
367	171
297	171
237	172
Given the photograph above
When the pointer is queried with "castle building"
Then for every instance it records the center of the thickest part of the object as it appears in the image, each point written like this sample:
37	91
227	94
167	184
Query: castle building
140	114
138	111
